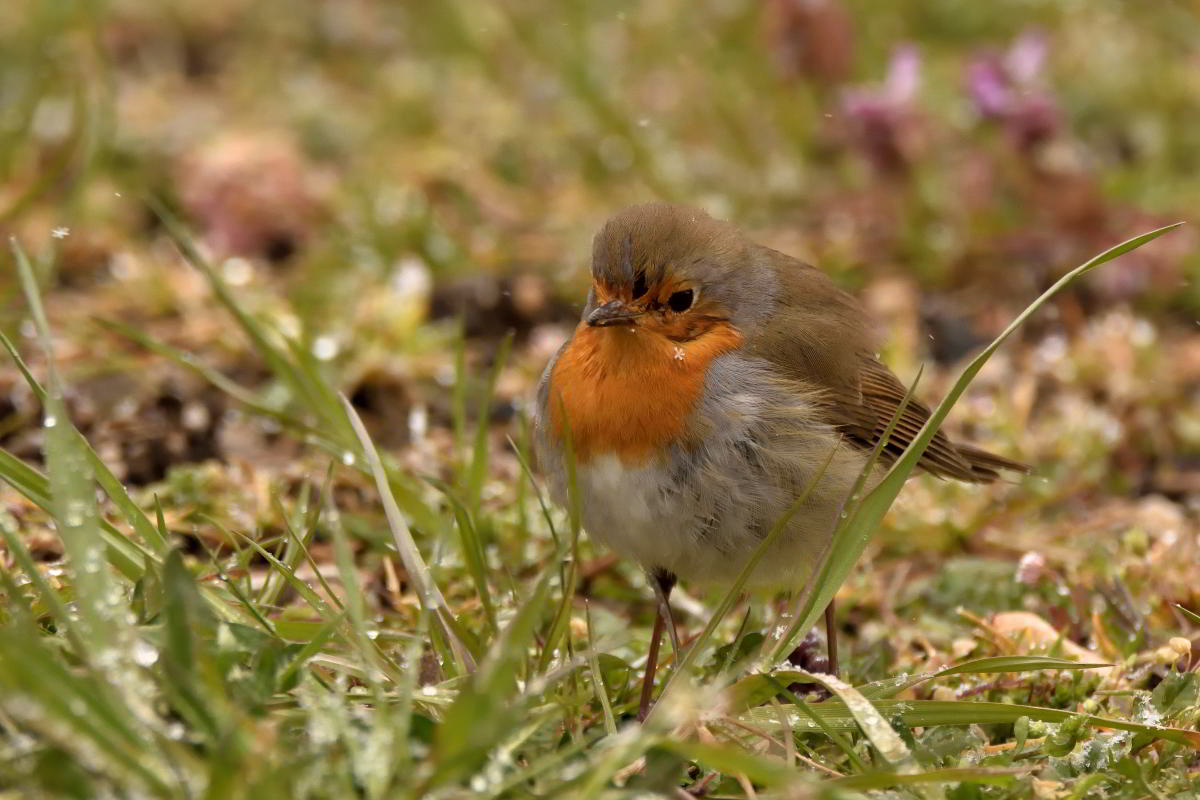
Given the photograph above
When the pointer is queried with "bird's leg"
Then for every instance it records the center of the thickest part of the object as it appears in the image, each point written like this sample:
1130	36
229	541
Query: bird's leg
662	582
651	664
831	638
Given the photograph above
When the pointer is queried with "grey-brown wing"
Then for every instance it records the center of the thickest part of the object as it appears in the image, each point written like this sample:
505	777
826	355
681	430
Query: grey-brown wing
881	395
820	335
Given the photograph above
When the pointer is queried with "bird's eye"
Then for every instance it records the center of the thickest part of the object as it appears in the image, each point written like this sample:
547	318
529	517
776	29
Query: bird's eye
639	285
680	301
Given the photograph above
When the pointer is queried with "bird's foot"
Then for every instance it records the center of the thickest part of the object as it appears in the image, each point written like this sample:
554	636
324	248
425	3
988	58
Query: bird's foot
810	656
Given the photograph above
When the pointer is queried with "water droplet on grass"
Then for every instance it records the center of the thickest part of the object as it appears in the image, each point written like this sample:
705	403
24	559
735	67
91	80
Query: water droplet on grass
144	653
324	348
237	271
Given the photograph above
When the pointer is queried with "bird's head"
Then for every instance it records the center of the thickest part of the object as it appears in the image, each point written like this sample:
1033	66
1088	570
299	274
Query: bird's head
667	270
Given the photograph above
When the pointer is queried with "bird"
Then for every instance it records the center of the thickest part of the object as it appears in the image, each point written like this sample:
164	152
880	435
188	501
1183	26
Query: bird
709	381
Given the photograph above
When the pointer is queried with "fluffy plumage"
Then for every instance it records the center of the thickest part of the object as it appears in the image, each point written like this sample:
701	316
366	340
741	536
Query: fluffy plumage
696	429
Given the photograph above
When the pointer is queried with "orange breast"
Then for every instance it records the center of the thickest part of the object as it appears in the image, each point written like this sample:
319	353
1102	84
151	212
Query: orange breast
630	393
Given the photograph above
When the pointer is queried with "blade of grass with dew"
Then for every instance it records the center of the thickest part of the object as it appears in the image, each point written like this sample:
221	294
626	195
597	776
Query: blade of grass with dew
296	547
554	760
104	476
406	689
356	613
184	618
610	723
314	600
124	555
630	744
428	592
54	604
735	646
889	687
477	471
489	703
527	471
807	709
770	772
878	731
73	496
472	549
926	713
505	756
521	498
240	597
30	380
756	689
65	707
303	549
855	531
956	775
570	578
375	774
313	646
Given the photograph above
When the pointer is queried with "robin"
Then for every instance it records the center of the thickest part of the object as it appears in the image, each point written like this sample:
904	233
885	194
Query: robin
708	383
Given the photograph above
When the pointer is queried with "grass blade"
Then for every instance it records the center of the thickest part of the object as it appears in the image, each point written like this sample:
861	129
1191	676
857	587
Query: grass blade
1192	615
479	451
890	687
957	775
914	713
427	590
72	495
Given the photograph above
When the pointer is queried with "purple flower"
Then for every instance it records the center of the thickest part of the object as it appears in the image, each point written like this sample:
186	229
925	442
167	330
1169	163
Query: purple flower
1008	88
882	117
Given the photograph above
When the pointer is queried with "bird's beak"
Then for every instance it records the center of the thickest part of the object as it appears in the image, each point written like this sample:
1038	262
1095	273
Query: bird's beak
615	312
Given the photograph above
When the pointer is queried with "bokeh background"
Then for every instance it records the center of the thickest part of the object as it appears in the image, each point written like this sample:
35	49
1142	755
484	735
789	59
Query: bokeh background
374	178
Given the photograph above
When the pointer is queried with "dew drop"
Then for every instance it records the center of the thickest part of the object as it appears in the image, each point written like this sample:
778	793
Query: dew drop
237	271
325	348
144	653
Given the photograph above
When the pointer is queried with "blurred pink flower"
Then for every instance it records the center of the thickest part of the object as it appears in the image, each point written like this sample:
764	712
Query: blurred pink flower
1008	87
882	118
253	194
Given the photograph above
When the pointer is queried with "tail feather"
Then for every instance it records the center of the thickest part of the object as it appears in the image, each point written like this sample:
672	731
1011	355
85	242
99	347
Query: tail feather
986	467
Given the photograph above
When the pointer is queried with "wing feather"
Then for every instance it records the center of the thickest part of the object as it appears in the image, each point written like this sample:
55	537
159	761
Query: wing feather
820	335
